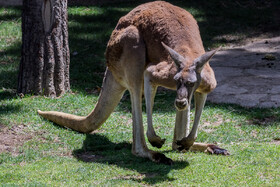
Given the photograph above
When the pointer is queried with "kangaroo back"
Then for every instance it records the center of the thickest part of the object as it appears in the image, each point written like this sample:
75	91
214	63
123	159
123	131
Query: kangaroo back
158	22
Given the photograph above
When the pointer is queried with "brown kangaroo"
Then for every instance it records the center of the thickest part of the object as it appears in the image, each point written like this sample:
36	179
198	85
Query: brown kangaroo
139	60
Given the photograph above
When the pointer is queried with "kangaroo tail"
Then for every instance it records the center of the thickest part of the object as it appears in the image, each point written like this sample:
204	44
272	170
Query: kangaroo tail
109	98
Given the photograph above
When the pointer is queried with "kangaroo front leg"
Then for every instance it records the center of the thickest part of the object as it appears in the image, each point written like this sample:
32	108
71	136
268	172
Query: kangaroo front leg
150	92
139	147
188	141
182	126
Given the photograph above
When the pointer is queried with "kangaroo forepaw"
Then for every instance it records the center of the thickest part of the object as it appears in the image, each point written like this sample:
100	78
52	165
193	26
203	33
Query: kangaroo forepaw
162	159
156	141
213	149
184	144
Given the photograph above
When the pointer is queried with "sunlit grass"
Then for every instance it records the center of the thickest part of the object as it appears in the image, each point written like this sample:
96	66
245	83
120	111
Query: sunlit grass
54	156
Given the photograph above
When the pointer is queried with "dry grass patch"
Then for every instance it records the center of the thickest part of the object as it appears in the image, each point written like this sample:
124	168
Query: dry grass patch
12	138
210	126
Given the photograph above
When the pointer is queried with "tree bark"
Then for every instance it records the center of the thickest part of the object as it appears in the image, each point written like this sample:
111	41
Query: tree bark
45	59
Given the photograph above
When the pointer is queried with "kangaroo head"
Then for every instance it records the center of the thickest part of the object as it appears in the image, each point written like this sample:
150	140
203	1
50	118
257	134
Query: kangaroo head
188	77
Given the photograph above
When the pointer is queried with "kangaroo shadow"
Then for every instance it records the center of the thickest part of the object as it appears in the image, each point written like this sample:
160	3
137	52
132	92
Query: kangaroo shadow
97	148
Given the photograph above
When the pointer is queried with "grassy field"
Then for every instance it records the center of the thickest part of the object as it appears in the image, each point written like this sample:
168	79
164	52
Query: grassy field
35	152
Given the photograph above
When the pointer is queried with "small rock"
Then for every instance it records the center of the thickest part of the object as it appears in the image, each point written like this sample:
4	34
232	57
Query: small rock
269	57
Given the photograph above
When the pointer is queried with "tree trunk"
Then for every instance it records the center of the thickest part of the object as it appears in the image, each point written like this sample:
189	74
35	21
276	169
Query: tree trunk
45	59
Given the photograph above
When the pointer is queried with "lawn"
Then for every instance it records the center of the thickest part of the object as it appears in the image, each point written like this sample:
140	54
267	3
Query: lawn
36	152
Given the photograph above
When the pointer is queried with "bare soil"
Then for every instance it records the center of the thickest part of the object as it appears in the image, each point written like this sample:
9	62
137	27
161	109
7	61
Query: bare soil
12	138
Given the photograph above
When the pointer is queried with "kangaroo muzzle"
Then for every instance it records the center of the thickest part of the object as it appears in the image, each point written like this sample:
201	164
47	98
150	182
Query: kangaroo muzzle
181	104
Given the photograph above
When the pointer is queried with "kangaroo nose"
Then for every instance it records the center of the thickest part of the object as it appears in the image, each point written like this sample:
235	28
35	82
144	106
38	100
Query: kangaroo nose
181	104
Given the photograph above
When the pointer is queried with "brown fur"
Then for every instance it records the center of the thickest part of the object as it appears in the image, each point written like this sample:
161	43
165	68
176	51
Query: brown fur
159	22
138	62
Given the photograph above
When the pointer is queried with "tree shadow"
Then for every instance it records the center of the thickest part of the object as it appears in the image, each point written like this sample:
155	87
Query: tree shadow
89	34
97	148
8	109
220	23
233	21
89	45
13	14
9	60
7	94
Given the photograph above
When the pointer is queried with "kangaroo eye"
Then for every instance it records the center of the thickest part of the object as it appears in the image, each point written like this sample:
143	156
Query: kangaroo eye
190	84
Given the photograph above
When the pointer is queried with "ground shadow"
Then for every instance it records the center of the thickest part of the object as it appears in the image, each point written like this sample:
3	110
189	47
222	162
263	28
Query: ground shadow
89	33
220	23
264	117
97	148
6	109
9	60
226	22
9	108
11	15
8	94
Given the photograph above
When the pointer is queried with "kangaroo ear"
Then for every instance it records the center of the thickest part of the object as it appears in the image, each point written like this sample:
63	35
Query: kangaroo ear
176	57
201	61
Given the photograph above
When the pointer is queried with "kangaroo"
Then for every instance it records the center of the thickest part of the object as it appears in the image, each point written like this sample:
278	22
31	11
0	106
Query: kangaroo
155	44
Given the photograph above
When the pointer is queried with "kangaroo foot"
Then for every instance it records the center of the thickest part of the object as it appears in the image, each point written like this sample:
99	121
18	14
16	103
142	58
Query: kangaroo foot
156	141
161	159
213	149
184	144
153	156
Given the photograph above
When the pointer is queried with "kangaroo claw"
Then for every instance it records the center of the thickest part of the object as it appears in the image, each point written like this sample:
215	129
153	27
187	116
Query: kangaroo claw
156	141
184	144
213	149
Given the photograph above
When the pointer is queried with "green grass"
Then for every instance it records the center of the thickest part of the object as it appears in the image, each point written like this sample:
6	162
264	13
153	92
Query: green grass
54	156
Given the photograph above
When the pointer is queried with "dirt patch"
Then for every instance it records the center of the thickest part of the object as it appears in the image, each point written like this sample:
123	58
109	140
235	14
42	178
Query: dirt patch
276	141
210	126
12	138
138	178
1	127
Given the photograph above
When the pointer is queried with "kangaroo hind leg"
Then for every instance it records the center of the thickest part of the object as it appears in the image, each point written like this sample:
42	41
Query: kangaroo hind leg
133	60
